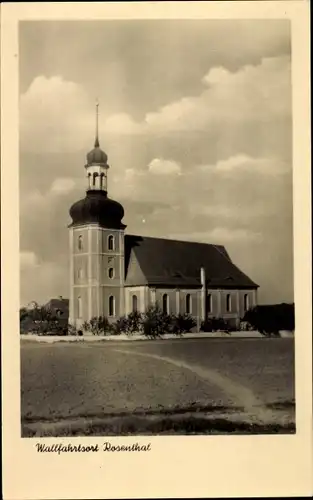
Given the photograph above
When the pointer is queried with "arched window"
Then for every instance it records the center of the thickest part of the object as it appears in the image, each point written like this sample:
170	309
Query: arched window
79	307
228	302
111	305
209	303
135	303
94	176
89	180
165	303
80	242
111	272
101	180
188	303
246	302
111	242
80	273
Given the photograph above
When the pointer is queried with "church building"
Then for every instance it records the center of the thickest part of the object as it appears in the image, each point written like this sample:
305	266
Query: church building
113	273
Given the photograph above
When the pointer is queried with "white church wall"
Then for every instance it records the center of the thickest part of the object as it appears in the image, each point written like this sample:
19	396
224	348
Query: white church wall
194	301
141	293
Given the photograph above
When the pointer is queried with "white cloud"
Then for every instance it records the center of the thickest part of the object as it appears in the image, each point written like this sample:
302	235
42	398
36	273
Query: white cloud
57	115
28	259
62	185
253	93
121	123
243	163
159	166
54	115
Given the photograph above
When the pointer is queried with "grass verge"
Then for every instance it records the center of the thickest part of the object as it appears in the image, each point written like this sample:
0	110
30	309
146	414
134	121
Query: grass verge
135	425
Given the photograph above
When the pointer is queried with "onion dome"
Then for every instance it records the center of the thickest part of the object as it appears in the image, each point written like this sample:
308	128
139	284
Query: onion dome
97	208
96	156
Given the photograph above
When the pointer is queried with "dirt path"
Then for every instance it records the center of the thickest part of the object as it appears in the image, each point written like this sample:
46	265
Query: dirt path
243	396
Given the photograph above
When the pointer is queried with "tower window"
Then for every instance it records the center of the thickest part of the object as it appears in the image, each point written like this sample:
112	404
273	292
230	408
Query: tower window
111	242
188	303
209	303
80	242
94	178
111	272
135	303
246	302
165	303
79	307
111	305
228	302
80	273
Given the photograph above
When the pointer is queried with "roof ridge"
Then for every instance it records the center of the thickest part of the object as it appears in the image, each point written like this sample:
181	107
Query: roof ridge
171	239
227	257
236	267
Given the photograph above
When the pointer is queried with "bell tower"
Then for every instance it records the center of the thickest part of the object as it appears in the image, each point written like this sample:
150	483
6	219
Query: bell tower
96	246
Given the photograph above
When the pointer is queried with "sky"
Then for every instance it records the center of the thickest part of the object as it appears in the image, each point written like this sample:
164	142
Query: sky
195	117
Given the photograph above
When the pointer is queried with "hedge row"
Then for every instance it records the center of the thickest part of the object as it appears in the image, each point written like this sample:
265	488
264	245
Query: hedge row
153	323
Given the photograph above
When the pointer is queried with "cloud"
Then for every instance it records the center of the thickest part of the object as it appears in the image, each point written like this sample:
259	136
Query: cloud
62	186
56	114
253	93
242	163
28	259
158	166
121	123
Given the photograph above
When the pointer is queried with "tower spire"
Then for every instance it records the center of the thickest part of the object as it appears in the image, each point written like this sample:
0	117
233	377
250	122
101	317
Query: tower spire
97	144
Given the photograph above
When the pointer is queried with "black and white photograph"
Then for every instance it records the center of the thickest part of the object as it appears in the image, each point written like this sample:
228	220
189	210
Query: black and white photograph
156	227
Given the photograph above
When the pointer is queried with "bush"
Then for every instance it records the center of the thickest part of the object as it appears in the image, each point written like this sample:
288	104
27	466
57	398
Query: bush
71	330
270	319
42	321
129	324
215	325
133	322
155	322
120	326
182	323
98	325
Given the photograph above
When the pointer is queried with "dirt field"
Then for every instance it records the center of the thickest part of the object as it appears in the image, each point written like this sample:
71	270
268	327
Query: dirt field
179	386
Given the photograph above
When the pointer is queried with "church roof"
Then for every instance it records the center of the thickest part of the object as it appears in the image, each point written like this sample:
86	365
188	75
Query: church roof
60	304
164	262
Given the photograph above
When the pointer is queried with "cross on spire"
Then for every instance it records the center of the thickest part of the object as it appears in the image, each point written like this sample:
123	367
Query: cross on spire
97	144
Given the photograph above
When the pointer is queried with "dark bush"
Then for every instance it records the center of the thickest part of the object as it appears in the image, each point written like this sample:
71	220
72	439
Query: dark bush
133	322
215	325
98	325
42	320
155	322
120	326
129	324
270	319
182	323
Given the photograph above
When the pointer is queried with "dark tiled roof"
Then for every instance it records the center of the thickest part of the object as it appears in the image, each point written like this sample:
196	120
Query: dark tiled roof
164	262
59	304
